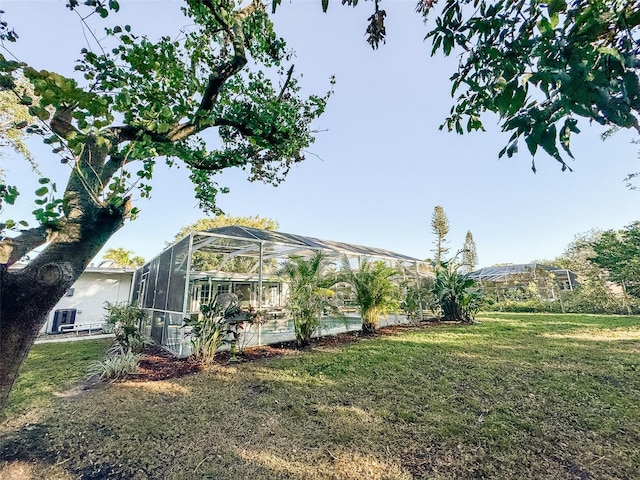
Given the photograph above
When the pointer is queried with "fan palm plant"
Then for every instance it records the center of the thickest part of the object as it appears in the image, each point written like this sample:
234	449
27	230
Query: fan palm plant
310	293
457	294
375	292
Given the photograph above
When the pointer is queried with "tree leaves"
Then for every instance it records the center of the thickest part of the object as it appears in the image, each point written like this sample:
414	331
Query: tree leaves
618	252
376	31
6	33
581	57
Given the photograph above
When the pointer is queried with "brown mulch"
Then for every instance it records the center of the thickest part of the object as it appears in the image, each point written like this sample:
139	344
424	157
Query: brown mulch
159	364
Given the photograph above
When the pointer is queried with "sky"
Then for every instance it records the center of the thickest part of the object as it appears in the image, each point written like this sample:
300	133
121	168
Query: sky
379	164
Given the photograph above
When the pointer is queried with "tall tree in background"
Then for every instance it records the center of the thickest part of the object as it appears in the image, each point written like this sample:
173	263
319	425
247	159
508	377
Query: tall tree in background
128	102
440	228
123	258
256	221
592	293
469	253
205	261
576	256
618	252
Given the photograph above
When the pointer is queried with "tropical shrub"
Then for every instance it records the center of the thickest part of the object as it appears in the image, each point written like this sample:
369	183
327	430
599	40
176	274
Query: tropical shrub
218	323
457	295
311	293
523	306
581	300
123	356
125	319
375	291
418	296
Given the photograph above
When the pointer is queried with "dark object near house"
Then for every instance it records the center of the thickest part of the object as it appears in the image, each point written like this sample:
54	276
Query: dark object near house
62	318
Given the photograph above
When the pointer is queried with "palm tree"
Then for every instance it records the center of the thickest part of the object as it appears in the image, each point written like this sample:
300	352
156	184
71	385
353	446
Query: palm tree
376	293
122	258
310	293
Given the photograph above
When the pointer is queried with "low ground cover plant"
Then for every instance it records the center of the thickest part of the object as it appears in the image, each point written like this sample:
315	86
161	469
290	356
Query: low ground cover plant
117	364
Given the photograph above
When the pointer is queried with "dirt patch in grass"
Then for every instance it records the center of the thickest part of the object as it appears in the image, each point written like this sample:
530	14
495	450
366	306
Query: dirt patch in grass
158	364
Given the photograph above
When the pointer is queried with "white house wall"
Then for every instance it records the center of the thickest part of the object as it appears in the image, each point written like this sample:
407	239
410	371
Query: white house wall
90	292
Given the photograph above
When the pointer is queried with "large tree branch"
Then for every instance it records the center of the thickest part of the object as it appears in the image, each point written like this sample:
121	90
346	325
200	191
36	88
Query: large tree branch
130	133
13	249
61	121
114	164
222	73
216	80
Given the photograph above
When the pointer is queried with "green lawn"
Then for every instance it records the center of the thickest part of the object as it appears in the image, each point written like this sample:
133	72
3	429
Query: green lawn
50	369
514	396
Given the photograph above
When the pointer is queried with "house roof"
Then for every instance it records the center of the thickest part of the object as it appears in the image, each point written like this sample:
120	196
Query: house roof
89	269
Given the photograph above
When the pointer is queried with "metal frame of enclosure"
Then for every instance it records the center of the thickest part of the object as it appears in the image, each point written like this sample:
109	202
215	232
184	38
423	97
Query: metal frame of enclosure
511	277
173	286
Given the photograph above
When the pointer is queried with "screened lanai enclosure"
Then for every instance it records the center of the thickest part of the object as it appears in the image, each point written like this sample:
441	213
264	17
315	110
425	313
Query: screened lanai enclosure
244	261
524	281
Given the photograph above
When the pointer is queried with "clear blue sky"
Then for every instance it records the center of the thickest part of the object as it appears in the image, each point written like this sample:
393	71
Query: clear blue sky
380	164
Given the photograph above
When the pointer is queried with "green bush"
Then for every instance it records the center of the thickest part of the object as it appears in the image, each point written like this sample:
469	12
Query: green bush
206	334
523	306
418	296
123	356
125	319
568	302
214	326
375	291
457	295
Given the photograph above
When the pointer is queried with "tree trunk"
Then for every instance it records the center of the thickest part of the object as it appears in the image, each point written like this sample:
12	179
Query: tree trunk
369	323
27	295
625	298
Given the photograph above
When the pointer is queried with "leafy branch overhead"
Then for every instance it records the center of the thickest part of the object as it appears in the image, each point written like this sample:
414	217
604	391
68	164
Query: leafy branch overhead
538	65
134	100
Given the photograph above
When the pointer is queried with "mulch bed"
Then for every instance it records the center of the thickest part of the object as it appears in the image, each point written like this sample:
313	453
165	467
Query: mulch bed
159	364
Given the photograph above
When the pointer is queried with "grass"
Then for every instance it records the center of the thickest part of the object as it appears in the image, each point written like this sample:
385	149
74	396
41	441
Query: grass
50	369
514	396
